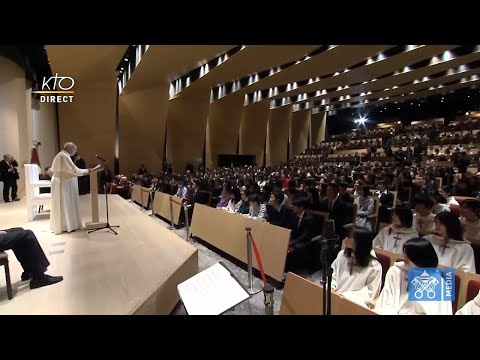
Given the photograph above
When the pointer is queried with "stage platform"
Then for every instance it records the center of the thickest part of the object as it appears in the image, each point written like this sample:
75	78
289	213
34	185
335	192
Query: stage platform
134	272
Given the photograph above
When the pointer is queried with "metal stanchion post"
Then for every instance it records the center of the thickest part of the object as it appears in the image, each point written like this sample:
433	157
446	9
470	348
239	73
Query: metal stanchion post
251	290
172	225
187	221
268	299
151	202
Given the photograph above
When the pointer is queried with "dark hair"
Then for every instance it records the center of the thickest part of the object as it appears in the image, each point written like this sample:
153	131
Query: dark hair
300	202
452	225
255	198
236	195
278	195
247	193
334	186
448	189
421	252
473	205
365	191
405	215
363	241
423	199
343	185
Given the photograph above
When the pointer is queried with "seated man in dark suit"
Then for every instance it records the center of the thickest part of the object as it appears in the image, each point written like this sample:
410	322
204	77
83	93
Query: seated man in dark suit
343	194
278	214
301	235
386	202
336	208
29	253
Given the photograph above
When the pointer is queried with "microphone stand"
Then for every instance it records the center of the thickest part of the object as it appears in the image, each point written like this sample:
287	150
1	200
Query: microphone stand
107	225
328	241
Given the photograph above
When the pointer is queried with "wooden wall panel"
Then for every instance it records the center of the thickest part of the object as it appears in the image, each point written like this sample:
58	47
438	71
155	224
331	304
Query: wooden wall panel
253	130
89	121
319	124
143	118
277	134
299	132
186	126
222	129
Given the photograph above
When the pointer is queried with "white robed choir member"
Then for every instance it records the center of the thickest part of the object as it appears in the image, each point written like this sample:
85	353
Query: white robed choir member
357	275
65	213
393	237
452	250
471	308
470	220
424	225
393	299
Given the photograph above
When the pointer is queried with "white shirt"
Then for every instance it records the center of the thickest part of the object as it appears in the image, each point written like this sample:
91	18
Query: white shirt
424	225
393	299
392	238
471	230
358	284
457	254
452	201
438	208
471	308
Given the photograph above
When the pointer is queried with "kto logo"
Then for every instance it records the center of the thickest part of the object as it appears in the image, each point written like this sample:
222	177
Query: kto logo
428	284
57	89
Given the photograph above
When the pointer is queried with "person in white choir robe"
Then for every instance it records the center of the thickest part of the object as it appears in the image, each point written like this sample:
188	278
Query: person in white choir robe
423	217
65	213
470	220
439	203
471	308
452	250
357	275
393	237
393	300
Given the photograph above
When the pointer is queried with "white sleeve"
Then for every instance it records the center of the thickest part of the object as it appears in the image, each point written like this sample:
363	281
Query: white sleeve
386	301
335	269
467	259
378	241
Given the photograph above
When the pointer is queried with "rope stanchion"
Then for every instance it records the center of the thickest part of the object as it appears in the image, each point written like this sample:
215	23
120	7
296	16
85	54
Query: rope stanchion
259	260
187	221
172	225
151	198
248	235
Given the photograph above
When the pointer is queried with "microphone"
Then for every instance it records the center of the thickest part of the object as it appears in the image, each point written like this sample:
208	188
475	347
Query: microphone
99	157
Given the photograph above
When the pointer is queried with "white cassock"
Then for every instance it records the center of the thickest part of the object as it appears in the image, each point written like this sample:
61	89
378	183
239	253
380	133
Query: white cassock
457	254
471	308
393	299
424	225
392	238
471	230
358	284
65	214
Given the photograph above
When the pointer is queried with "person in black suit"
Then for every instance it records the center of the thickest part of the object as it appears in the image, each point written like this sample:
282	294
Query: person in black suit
343	194
301	235
83	181
29	253
278	214
386	202
9	176
336	208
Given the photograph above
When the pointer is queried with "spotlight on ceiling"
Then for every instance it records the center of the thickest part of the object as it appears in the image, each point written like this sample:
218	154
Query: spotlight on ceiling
361	120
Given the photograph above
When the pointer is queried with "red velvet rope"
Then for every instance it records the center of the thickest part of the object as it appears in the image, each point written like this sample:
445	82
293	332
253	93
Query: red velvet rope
259	260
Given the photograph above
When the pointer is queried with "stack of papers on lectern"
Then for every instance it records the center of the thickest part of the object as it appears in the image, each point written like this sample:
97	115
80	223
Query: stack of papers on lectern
212	291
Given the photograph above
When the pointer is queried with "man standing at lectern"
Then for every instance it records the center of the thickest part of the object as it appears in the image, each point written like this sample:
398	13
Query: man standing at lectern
65	213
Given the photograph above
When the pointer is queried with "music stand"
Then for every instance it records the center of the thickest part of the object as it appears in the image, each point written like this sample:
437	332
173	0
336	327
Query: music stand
95	225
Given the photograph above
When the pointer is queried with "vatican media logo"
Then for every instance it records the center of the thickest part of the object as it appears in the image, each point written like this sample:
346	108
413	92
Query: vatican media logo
429	284
56	89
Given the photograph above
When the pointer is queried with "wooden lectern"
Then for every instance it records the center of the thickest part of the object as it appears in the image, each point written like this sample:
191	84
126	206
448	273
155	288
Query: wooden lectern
94	224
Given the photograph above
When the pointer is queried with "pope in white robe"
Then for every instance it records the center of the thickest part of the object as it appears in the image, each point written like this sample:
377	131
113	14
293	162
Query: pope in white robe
65	213
392	238
393	299
456	254
471	308
358	284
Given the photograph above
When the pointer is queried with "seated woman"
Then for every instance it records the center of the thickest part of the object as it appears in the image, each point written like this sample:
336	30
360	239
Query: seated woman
471	308
452	250
235	201
393	237
357	274
393	299
470	220
439	203
257	210
366	206
245	205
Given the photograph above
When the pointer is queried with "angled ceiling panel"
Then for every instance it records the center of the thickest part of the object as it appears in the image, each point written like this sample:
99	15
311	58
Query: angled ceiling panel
249	60
85	62
374	70
162	64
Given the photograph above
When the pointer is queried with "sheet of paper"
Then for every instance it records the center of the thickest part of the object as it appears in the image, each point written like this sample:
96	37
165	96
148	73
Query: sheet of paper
211	292
96	167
